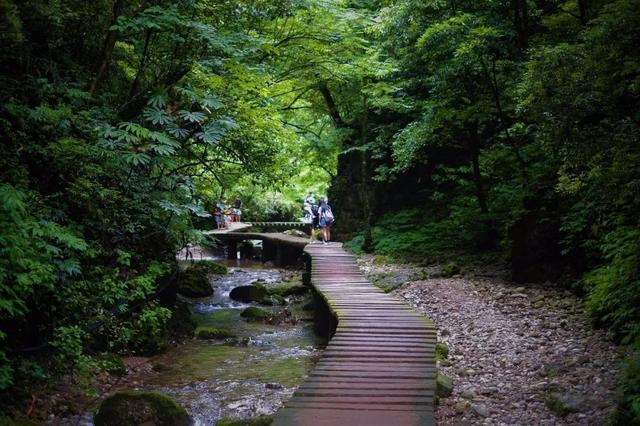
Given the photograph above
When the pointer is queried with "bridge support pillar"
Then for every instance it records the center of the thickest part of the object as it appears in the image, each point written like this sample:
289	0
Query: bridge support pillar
268	251
232	250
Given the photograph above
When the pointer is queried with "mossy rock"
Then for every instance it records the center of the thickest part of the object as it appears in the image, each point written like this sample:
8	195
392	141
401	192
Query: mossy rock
130	408
450	269
207	333
444	385
288	290
210	267
256	421
381	259
181	324
442	351
253	314
194	282
249	293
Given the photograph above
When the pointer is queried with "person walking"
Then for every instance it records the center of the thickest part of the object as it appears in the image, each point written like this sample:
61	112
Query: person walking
315	223
326	219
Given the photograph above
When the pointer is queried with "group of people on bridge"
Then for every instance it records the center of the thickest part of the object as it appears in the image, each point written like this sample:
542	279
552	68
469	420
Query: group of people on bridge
319	216
224	214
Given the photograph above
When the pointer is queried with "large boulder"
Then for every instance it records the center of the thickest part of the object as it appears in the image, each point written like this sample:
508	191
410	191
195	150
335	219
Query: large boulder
249	293
253	314
130	408
194	281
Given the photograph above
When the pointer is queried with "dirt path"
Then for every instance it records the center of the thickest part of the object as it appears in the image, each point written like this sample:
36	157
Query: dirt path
513	351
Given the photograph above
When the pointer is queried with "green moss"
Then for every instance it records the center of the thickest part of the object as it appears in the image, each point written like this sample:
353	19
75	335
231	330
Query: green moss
181	324
256	421
450	269
134	408
213	333
380	259
444	385
253	313
286	290
442	351
194	282
210	267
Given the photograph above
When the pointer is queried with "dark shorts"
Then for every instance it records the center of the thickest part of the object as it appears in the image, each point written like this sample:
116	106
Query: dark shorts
325	223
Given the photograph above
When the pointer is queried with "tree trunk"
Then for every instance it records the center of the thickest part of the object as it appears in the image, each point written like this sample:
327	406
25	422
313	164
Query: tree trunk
137	82
102	65
583	10
331	105
474	147
521	22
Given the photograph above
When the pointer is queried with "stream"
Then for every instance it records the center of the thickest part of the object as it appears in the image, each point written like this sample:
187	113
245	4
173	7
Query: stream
250	374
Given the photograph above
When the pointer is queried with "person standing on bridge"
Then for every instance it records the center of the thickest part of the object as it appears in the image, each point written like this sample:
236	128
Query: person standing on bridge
236	211
219	213
326	219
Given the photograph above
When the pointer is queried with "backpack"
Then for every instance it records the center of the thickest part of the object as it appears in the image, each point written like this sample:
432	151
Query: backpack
327	214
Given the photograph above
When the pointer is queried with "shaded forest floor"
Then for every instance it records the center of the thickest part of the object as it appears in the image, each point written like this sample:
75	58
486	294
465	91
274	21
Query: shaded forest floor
517	354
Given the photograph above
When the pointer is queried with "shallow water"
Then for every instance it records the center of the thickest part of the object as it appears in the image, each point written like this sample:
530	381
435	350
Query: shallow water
250	375
246	376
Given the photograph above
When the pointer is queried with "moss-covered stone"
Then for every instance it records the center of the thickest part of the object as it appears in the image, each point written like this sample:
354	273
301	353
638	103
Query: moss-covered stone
287	290
135	408
450	269
213	333
194	282
249	293
253	314
210	267
444	385
256	421
181	324
442	351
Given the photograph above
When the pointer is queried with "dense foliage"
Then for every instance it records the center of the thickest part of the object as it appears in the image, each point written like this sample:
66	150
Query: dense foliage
122	123
447	128
513	129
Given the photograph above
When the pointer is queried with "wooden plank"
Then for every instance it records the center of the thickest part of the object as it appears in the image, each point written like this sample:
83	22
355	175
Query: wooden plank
379	368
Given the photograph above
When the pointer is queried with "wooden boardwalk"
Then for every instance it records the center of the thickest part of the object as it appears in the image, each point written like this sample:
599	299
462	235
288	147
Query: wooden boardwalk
379	368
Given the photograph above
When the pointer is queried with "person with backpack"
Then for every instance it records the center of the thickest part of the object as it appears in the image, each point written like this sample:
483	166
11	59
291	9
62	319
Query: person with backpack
315	223
326	219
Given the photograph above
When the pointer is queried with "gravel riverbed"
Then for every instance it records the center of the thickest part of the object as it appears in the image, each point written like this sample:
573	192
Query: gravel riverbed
518	355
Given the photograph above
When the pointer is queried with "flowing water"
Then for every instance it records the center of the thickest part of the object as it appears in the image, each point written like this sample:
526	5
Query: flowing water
248	375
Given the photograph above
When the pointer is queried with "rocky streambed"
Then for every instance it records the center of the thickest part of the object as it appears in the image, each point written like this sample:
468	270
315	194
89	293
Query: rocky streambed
517	355
239	367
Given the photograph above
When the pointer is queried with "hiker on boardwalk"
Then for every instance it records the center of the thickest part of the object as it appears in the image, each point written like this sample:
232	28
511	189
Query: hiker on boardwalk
326	219
308	206
315	223
236	212
219	213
